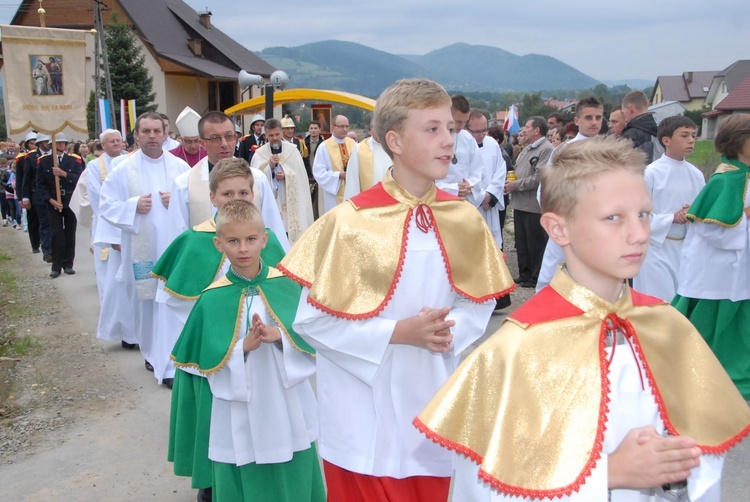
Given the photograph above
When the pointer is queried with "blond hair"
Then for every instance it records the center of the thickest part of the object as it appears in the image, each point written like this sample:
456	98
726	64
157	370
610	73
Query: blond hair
395	102
238	211
230	168
578	165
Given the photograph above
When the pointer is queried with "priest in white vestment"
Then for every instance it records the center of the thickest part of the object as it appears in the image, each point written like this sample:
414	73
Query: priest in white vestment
282	164
329	167
367	166
190	194
135	197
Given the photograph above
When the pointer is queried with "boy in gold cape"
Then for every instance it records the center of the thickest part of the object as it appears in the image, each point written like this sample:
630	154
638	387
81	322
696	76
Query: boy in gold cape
576	395
398	281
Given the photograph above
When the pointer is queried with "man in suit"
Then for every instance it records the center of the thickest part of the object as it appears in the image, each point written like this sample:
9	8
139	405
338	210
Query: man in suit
36	209
62	219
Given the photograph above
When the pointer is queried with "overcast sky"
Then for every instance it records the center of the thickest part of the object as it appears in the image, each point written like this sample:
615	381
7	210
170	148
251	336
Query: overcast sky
606	40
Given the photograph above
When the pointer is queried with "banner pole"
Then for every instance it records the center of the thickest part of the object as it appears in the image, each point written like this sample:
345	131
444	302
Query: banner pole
57	178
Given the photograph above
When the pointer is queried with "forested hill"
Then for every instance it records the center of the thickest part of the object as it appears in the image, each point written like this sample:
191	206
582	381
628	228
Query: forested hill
352	67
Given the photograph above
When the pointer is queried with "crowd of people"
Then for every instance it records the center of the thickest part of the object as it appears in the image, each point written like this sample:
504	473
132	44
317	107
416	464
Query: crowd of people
242	266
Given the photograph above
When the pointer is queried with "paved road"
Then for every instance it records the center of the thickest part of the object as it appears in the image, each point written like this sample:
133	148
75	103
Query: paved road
121	454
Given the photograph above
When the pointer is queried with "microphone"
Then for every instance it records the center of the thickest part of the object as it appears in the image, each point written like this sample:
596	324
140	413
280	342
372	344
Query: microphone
275	148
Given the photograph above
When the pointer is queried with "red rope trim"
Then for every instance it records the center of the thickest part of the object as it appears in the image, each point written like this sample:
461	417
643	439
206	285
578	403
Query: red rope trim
567	490
449	271
447	443
299	280
388	296
719	449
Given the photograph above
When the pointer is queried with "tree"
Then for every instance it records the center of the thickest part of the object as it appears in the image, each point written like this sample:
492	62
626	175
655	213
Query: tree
90	111
127	68
532	105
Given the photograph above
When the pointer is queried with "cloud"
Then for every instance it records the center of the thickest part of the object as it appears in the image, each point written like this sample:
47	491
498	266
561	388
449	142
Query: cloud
606	40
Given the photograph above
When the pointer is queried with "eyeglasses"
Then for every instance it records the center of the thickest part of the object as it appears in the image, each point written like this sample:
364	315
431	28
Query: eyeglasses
191	141
216	139
481	131
343	126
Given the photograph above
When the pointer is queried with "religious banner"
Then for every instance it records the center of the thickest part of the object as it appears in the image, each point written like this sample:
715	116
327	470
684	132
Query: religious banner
45	79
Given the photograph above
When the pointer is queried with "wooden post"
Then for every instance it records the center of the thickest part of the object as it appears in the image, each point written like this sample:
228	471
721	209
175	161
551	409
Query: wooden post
57	178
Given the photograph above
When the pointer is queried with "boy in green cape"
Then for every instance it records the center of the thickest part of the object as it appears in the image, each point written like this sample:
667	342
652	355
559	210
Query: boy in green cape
262	409
189	265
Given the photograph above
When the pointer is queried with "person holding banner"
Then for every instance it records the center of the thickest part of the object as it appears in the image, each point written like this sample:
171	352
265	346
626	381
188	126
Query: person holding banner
62	220
135	197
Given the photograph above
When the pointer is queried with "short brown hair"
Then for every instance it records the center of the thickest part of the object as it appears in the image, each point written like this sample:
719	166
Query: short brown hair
237	211
152	116
733	132
407	94
638	99
579	164
214	117
460	103
230	168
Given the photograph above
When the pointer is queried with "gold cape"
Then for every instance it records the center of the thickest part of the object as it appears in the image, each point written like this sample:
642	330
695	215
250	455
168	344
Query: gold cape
530	404
351	258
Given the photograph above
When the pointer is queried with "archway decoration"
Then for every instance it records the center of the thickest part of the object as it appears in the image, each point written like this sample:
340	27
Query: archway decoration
258	104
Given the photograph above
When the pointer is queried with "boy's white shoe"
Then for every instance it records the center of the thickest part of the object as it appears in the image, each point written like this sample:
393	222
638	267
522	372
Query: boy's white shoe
5	222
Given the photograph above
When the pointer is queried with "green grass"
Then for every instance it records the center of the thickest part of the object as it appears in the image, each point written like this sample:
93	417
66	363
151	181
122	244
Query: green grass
12	346
704	157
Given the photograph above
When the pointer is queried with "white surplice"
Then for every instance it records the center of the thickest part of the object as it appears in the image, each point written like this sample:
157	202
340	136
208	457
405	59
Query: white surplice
468	167
672	184
381	162
631	406
328	180
292	194
369	390
264	408
179	208
493	181
118	207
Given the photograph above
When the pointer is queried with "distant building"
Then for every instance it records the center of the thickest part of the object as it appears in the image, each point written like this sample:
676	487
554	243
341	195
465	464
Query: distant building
563	105
690	89
728	93
666	109
192	62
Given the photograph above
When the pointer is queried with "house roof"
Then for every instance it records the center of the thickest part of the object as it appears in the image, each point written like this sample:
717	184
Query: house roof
735	73
738	99
686	87
167	25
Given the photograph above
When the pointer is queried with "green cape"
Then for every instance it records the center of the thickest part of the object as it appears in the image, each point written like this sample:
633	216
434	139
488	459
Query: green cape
722	200
191	262
212	329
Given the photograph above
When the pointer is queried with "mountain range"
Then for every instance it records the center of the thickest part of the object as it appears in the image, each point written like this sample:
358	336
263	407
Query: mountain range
352	67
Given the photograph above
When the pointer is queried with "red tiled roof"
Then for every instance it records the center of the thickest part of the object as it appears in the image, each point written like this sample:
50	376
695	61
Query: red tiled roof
738	99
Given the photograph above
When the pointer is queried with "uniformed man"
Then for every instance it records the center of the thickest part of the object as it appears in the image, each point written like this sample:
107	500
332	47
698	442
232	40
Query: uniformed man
254	140
62	219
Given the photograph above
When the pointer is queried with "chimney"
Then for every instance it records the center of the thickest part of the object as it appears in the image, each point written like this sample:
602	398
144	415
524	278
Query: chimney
689	77
205	18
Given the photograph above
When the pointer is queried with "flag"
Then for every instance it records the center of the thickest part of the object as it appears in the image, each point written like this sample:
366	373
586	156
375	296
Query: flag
131	115
511	120
45	79
123	119
104	116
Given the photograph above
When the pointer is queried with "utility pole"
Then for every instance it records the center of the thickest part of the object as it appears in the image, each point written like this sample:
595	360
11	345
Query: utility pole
99	25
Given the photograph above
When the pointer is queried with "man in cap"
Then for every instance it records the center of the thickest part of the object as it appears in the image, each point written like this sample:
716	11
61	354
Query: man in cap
329	167
282	163
191	151
287	134
254	140
62	220
26	147
36	207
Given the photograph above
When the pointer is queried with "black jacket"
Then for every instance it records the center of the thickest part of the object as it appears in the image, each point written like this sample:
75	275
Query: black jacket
45	180
639	131
246	146
28	190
